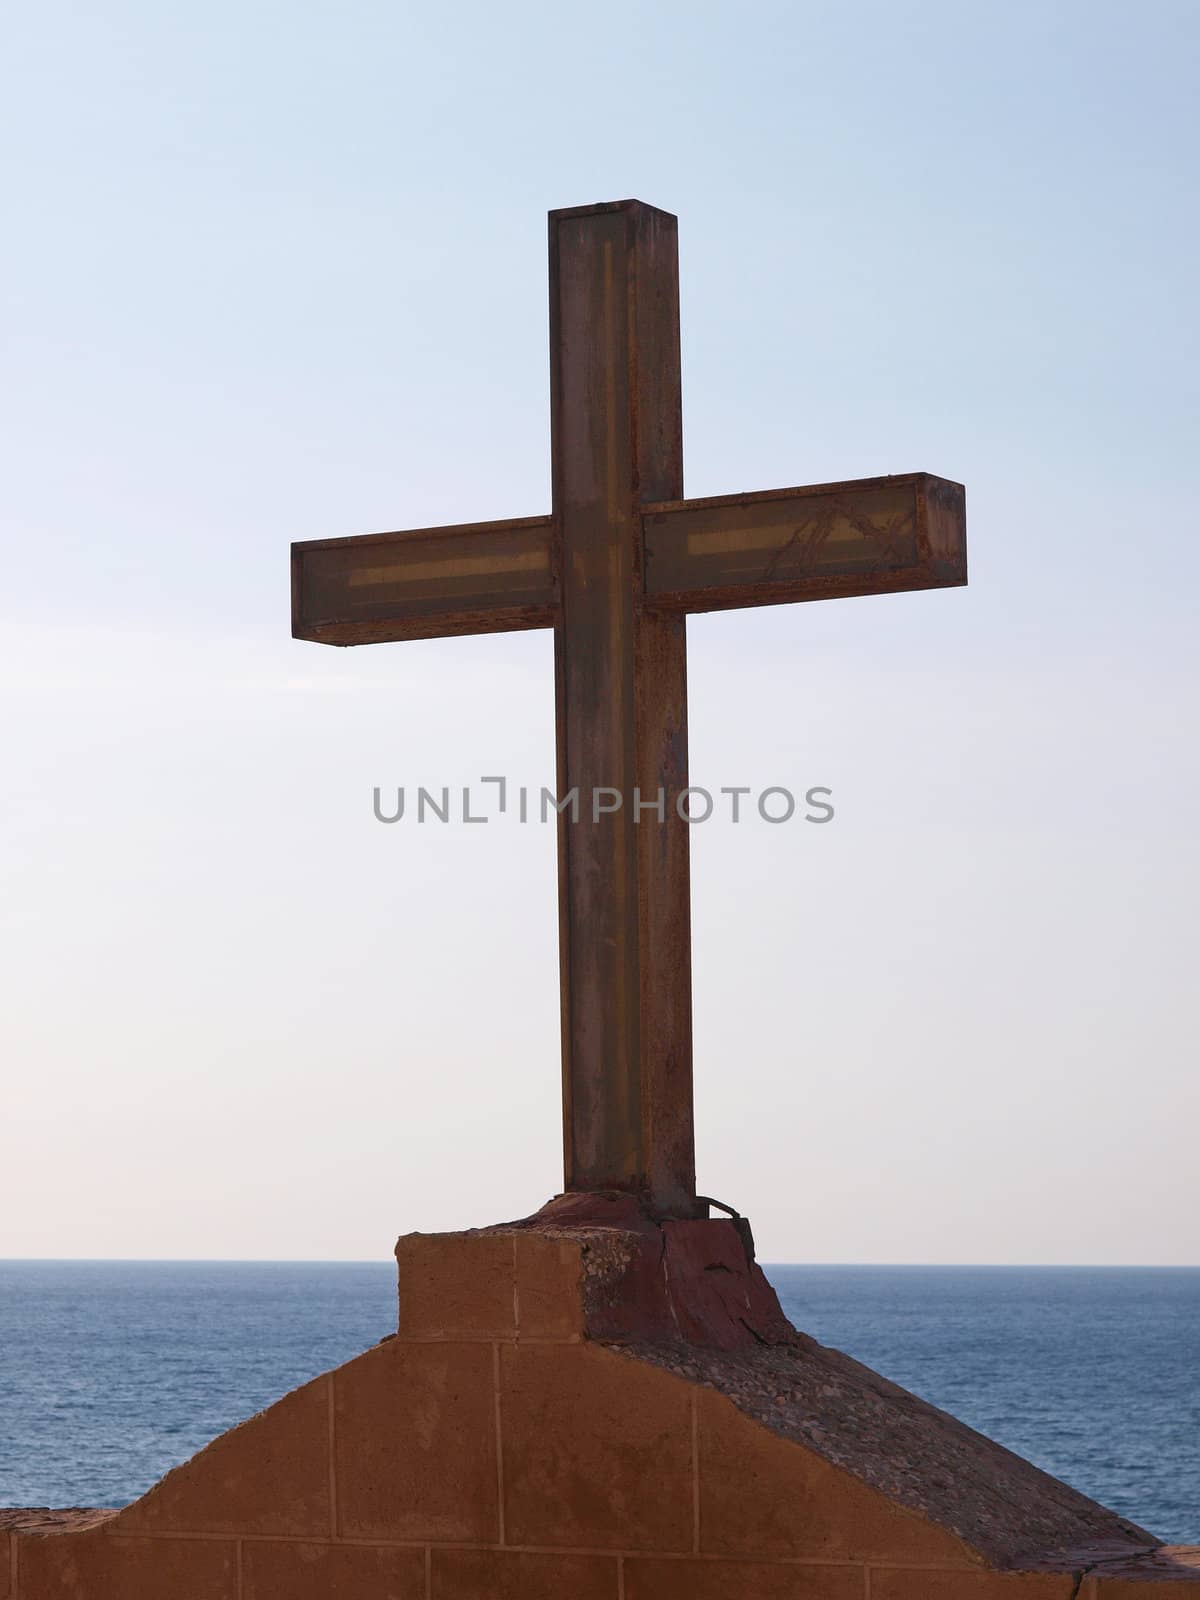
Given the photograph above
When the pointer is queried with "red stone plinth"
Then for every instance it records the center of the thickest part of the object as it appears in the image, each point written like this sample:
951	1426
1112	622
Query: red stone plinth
590	1406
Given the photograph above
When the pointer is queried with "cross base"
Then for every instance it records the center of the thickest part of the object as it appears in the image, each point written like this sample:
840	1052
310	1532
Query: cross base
611	1271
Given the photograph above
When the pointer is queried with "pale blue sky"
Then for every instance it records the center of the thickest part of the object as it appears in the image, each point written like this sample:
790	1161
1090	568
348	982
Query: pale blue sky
277	272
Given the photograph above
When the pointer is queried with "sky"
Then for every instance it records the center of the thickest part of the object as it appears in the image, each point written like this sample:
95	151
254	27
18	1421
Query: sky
278	272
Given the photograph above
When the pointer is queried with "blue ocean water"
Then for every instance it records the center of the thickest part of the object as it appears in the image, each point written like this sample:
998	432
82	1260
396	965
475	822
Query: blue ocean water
113	1372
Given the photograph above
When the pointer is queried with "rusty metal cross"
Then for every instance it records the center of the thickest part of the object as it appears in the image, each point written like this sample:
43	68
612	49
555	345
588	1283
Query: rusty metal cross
614	570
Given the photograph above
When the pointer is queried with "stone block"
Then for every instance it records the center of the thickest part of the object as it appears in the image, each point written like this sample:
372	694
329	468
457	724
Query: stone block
521	1575
913	1584
269	1475
456	1286
104	1566
1150	1584
295	1571
415	1444
597	1450
649	1579
762	1495
549	1287
1169	1572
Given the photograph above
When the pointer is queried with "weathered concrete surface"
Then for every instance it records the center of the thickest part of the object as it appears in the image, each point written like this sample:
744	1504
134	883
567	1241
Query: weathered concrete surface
587	1405
594	1266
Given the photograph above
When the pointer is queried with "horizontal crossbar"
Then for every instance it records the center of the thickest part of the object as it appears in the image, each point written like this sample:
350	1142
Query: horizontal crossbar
869	536
481	577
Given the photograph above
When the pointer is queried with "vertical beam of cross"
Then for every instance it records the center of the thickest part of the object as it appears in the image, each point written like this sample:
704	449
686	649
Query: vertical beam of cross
624	912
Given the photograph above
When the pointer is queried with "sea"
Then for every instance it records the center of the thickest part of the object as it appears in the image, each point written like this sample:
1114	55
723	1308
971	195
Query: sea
113	1372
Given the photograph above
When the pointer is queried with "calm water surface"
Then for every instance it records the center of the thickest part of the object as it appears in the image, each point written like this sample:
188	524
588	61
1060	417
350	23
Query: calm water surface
112	1372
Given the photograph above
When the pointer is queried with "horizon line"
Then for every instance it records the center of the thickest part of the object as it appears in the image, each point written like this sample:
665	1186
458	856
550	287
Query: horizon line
365	1261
